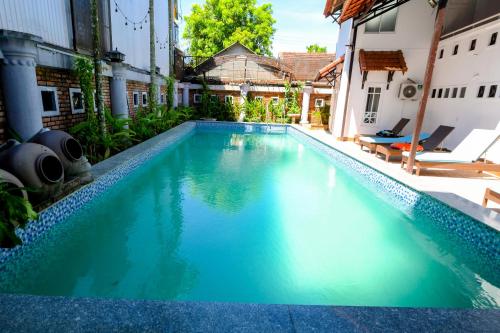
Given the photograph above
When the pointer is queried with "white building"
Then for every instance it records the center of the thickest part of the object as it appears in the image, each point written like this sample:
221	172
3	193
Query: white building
465	71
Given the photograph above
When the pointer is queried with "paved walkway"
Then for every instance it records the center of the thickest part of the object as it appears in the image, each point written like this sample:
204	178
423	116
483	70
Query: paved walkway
461	190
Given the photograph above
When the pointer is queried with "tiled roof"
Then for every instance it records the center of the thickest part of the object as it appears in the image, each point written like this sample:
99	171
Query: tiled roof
382	61
352	8
329	68
332	6
304	65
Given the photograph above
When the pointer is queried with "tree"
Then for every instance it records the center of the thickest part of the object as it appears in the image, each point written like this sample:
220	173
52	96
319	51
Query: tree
96	45
315	48
152	57
217	24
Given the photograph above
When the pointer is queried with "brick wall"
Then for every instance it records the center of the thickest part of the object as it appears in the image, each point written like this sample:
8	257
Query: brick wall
135	86
64	79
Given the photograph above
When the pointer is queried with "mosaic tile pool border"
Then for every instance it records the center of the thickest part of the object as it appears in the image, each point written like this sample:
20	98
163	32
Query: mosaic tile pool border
409	200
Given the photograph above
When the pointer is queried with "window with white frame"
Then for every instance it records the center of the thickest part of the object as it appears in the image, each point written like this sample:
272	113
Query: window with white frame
493	39
319	103
197	98
135	99
383	23
76	100
493	91
214	98
162	99
50	101
144	99
372	104
228	99
259	98
275	100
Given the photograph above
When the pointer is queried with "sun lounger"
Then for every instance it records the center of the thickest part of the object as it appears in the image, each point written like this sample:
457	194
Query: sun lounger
464	157
492	195
396	129
429	144
372	142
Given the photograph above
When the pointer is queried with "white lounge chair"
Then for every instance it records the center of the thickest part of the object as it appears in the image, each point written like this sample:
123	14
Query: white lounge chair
371	142
464	157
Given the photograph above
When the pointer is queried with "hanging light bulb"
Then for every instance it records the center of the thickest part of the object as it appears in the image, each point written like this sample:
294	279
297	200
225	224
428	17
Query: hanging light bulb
126	23
116	9
141	26
135	27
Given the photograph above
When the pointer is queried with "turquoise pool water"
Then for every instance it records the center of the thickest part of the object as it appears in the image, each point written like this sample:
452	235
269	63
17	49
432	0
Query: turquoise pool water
251	218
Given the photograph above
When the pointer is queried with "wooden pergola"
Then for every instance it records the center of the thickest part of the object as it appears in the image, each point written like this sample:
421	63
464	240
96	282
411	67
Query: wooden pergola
362	11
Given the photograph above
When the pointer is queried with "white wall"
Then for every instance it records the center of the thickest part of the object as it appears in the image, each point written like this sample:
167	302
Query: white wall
49	19
469	69
135	43
412	35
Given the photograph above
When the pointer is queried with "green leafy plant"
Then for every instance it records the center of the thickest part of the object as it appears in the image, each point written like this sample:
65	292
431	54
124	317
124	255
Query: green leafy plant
255	110
292	98
84	70
15	211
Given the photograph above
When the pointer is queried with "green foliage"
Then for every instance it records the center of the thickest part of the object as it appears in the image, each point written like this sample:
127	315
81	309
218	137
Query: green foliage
315	48
84	69
255	111
15	211
214	108
292	98
217	24
121	133
170	92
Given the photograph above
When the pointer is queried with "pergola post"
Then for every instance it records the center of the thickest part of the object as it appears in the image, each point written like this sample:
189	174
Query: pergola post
438	26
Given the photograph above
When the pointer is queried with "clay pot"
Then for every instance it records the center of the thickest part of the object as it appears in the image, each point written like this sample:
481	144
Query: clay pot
14	185
36	166
67	148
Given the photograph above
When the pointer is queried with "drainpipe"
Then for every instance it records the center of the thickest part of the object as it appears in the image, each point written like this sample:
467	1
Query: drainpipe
349	76
438	27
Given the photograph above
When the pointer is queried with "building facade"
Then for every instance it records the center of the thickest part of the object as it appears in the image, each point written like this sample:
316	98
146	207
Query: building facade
39	40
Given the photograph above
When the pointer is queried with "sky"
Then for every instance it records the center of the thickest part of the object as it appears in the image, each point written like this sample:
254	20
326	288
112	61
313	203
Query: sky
298	24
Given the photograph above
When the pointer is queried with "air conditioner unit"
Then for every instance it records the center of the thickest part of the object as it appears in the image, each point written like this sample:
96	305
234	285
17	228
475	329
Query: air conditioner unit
410	91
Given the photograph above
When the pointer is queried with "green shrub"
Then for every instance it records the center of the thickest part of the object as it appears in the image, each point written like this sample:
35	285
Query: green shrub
15	211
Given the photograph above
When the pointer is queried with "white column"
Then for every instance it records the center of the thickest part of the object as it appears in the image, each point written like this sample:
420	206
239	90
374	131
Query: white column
244	88
306	96
176	94
185	94
22	98
118	88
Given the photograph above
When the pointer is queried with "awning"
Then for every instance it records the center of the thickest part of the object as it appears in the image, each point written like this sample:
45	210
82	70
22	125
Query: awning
353	8
331	71
361	10
332	6
390	61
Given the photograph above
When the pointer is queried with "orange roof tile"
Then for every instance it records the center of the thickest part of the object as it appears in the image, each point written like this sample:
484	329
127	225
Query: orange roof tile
352	8
304	65
332	6
382	61
328	68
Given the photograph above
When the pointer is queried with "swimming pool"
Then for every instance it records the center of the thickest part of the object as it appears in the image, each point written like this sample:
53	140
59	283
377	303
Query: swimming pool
260	214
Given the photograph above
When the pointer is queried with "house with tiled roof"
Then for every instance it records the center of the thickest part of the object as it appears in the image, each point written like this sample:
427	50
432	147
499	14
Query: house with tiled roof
237	73
382	52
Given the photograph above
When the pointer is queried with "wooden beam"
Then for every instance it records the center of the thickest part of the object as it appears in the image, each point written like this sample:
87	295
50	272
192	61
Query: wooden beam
438	27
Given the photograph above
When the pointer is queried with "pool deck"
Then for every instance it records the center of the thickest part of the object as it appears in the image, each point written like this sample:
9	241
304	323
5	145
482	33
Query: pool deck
64	314
461	190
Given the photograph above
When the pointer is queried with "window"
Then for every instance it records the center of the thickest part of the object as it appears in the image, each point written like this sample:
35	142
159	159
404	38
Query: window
493	91
259	98
76	100
228	99
455	50
383	23
440	93
493	38
144	98
275	100
447	93
197	98
319	103
214	98
472	46
162	98
372	103
49	101
441	53
480	92
433	93
454	93
462	92
135	98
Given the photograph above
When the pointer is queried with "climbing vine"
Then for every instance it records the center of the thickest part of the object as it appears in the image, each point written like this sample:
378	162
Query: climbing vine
84	70
170	91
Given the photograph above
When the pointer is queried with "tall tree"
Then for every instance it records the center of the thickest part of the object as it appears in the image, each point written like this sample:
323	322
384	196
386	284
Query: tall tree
96	45
315	48
217	24
152	56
